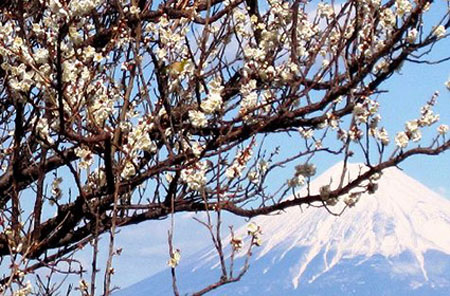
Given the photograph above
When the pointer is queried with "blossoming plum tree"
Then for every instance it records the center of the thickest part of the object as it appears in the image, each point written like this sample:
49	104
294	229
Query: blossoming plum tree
118	112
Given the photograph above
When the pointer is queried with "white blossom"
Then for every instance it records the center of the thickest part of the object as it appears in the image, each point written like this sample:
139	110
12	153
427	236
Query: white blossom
82	7
42	128
86	157
24	291
447	84
442	129
83	285
403	7
56	190
146	144
412	35
383	136
401	140
439	31
252	228
129	170
412	126
416	136
135	10
212	104
387	18
197	118
428	117
263	166
325	10
239	164
306	133
195	175
41	55
253	176
174	259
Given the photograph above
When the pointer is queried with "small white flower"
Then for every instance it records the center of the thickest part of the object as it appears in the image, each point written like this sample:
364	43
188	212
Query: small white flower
89	52
174	259
41	55
350	202
416	135
306	133
83	285
252	228
318	144
42	129
86	157
412	126
212	104
197	148
383	136
412	35
56	191
263	166
98	57
428	118
442	129
401	140
439	31
234	171
403	7
134	10
300	180
197	118
253	176
129	170
325	10
387	18
146	144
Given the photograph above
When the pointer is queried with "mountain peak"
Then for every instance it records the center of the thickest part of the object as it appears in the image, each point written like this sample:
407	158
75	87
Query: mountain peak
392	242
402	216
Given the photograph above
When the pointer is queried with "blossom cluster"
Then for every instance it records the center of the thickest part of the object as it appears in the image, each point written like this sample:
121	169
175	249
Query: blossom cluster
249	99
85	156
195	176
139	140
213	101
239	163
25	291
413	131
254	231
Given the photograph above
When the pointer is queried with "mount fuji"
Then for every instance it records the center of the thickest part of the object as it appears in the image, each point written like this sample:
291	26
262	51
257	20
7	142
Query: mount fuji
393	242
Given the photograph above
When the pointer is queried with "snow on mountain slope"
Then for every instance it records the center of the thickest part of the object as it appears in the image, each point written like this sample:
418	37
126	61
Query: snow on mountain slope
393	242
402	216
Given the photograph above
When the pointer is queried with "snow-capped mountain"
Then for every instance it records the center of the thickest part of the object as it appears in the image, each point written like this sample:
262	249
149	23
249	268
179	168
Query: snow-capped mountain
393	242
